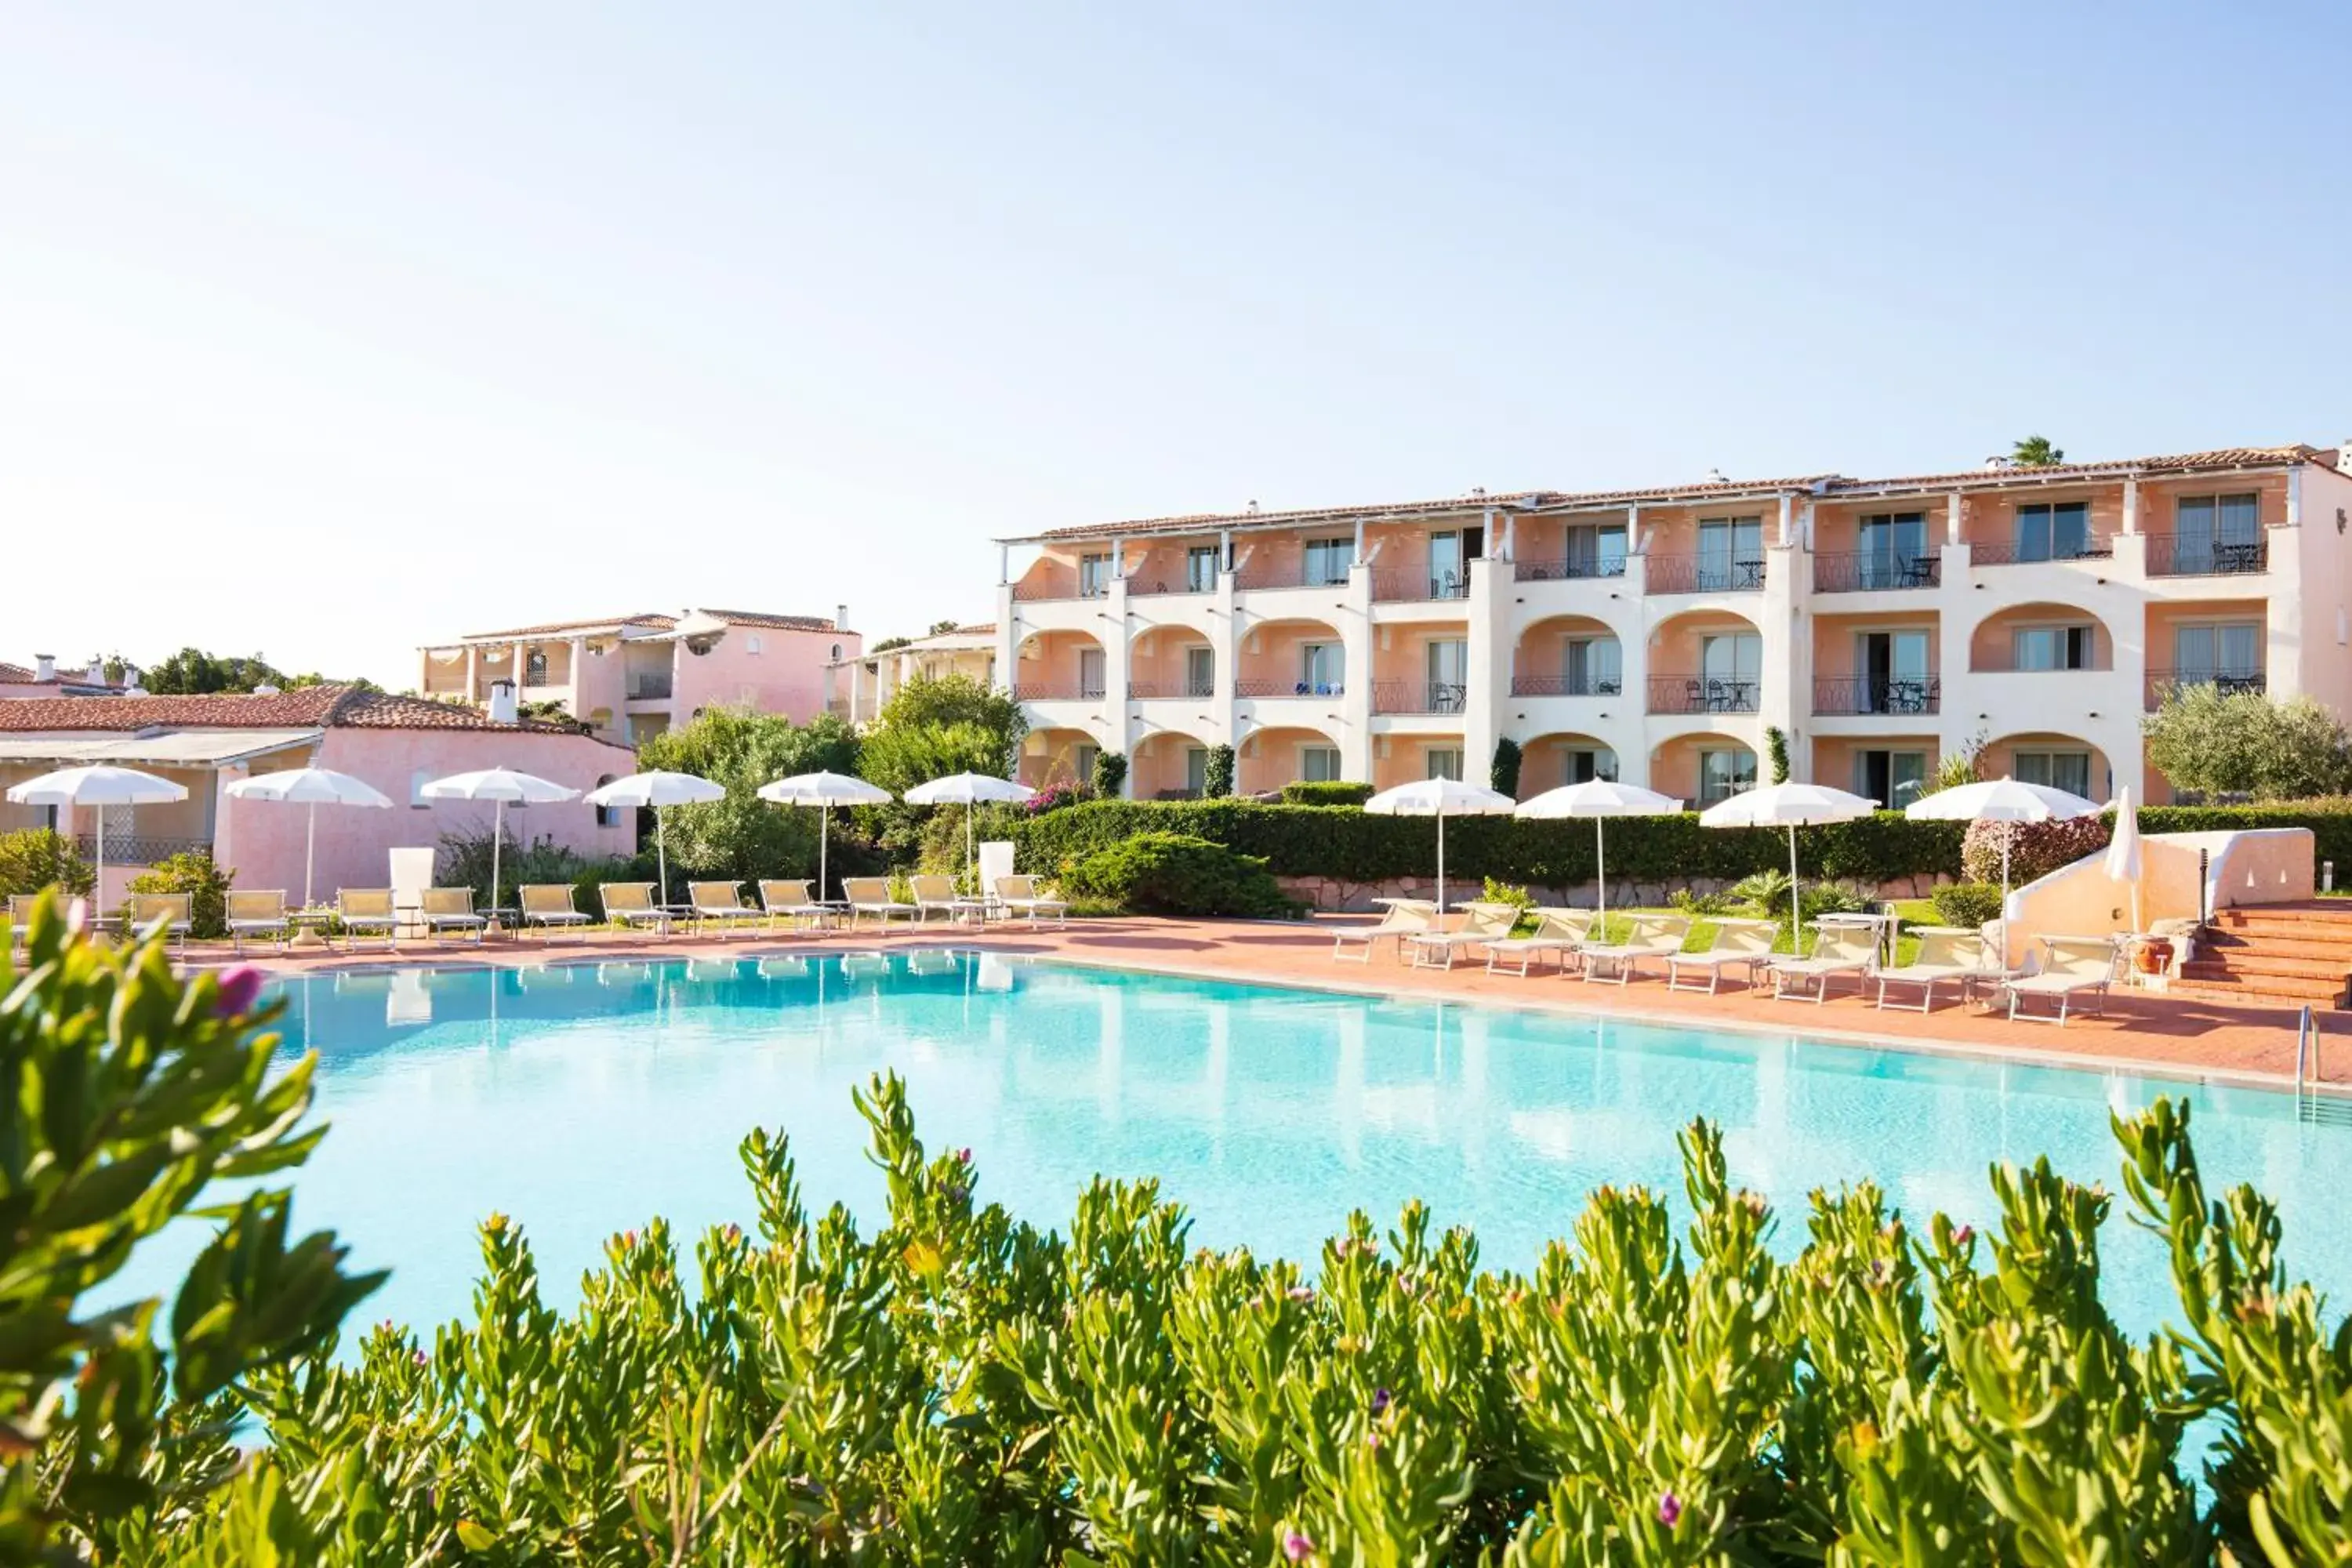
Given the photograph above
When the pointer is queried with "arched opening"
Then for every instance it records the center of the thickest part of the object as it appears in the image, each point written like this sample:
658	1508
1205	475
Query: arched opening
1170	662
1707	661
1549	761
607	815
2046	757
2040	638
1704	769
1167	765
1268	759
1568	655
1057	756
1060	666
1292	659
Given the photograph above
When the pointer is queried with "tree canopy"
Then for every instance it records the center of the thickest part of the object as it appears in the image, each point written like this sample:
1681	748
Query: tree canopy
192	672
744	837
2037	452
934	727
2245	742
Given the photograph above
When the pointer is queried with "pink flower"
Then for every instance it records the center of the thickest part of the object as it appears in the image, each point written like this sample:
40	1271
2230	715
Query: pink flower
1670	1509
239	988
1298	1546
963	1156
1963	1236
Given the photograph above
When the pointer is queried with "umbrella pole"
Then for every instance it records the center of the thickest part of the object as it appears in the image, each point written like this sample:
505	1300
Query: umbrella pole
1600	865
498	842
823	838
1794	950
970	852
309	851
1440	864
661	851
2004	894
98	887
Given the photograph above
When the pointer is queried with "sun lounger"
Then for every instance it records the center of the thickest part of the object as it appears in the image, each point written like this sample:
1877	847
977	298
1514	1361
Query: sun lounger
871	896
1403	918
548	905
632	904
938	895
788	901
258	912
1019	896
1837	950
2071	966
20	918
721	903
1481	923
360	910
143	912
1653	936
447	909
1947	955
1560	932
1737	945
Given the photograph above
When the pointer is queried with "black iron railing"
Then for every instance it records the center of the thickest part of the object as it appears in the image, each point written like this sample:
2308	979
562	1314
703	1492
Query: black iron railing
2201	555
1419	697
137	848
1266	686
1704	694
1564	686
1702	574
1568	568
1057	692
2232	682
648	688
1837	694
1860	572
1407	585
1158	690
2007	553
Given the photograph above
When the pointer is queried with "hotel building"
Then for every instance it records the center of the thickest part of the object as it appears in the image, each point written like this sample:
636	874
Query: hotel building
1657	635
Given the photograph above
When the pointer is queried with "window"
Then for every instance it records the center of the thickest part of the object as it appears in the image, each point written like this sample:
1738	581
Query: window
607	815
1893	544
1722	775
1196	770
534	667
1085	757
1731	666
1596	550
2229	653
751	644
1318	764
1893	779
1592	667
2052	647
2059	531
1443	762
2218	533
1328	561
1448	662
1322	670
1200	672
1091	672
1200	569
2069	771
1585	765
1093	576
1893	670
416	783
837	652
1450	555
1730	552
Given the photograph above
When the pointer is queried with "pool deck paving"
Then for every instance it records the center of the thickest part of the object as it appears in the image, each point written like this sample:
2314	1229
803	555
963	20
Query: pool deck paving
2158	1033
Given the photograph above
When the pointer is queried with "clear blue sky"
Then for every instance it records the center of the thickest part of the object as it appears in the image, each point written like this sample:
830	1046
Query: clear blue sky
325	334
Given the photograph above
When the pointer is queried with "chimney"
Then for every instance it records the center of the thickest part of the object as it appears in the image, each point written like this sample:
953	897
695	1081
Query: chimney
45	666
98	672
841	617
2344	455
500	708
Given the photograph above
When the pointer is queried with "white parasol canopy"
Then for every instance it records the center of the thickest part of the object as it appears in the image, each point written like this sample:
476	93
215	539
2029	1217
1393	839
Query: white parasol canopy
2001	800
1441	799
658	789
2123	862
968	791
499	785
93	783
1790	806
311	788
1599	799
825	791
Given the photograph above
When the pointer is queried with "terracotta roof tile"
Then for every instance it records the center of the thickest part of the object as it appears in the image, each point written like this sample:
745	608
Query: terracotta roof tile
654	620
15	674
305	707
2219	460
778	623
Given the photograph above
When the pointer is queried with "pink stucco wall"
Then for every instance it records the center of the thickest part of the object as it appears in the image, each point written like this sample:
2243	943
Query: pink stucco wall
786	676
264	841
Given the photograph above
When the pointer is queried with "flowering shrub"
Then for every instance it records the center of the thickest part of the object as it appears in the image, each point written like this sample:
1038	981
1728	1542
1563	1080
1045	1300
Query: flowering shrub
1054	796
2036	849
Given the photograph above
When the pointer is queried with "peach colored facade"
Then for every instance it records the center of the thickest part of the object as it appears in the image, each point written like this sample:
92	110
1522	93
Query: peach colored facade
2033	614
634	676
857	687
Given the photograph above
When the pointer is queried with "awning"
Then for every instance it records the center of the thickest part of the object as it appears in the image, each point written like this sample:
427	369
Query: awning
172	748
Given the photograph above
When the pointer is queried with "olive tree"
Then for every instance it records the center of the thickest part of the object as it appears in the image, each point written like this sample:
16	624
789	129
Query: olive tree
2202	738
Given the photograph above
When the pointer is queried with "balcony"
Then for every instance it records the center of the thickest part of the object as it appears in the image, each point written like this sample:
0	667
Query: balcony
1569	569
1563	685
1408	585
2232	682
1706	574
1864	572
1704	694
652	686
2005	552
2202	555
1419	697
1290	575
1057	692
1138	587
1874	694
1027	593
1162	690
1262	685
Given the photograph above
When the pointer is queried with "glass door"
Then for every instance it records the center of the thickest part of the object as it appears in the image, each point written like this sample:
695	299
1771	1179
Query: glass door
1200	672
1200	569
1730	552
1592	667
1447	566
1893	544
1449	675
1731	666
1196	771
1091	672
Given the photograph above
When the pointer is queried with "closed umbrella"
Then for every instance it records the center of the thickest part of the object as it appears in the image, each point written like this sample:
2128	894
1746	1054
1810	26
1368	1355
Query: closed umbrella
1789	806
657	790
311	788
2123	861
498	786
1599	799
825	791
1441	799
97	785
2001	800
968	789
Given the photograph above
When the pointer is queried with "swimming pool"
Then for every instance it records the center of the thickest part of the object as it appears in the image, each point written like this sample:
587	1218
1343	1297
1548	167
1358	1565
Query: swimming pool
582	1099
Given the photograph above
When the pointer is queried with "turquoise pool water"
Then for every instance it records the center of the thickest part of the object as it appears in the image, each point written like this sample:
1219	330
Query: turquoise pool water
582	1099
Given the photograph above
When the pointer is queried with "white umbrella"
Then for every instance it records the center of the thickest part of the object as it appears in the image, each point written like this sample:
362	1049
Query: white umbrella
658	789
968	789
1441	799
1789	806
313	787
2001	800
94	784
2123	850
1599	799
499	785
823	791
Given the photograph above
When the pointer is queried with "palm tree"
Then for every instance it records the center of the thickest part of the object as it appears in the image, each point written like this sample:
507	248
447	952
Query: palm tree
2036	452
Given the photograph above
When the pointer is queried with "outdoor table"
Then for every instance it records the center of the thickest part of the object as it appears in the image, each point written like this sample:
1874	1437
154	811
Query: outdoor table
500	918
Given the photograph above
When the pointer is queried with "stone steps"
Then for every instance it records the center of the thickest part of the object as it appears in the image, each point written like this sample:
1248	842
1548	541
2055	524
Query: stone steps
2287	954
